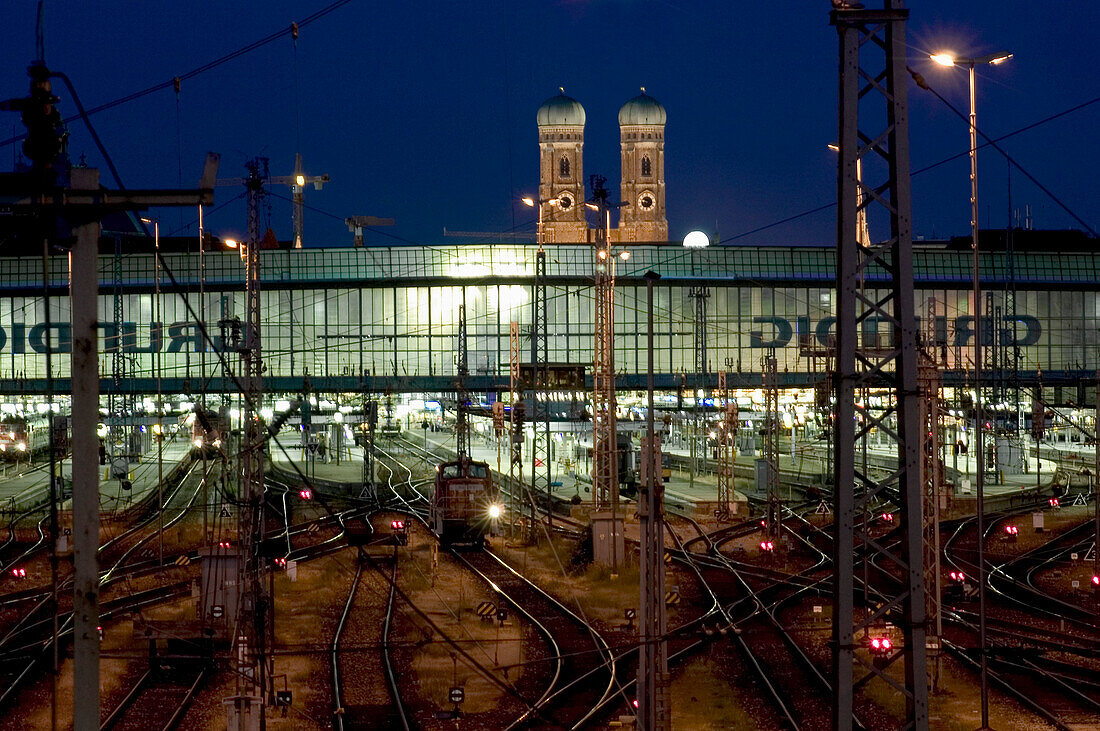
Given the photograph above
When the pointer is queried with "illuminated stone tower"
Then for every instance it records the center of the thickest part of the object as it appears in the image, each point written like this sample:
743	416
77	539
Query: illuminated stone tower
642	139
561	168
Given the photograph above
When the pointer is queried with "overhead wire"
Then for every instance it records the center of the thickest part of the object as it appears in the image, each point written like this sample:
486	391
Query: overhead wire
200	69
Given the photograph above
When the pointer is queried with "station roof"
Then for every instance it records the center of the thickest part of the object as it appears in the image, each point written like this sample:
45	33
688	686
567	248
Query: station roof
936	265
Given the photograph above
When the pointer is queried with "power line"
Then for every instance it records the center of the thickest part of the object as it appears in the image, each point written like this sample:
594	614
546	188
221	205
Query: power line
174	81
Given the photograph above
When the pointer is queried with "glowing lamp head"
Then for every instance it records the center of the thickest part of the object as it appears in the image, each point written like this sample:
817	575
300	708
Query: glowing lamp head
494	511
943	59
300	180
881	645
528	201
197	443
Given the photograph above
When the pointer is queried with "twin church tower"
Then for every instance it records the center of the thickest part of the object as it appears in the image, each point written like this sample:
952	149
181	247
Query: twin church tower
561	170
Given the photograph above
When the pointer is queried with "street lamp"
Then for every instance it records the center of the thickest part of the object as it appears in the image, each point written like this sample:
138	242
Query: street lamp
532	203
948	59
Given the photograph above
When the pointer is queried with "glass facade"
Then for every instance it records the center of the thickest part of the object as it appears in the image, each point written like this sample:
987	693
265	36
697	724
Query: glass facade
394	311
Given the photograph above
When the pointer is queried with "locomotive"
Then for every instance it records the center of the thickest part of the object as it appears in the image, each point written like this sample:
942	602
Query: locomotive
21	437
464	506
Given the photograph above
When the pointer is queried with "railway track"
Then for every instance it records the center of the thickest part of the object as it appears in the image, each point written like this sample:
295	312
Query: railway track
158	700
584	667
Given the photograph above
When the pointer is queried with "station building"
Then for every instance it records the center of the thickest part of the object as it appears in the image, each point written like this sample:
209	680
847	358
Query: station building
381	319
385	319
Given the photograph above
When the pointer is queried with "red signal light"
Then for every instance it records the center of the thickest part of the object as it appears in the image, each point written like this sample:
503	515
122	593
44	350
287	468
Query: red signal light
1011	530
1054	502
305	494
223	544
888	517
881	645
1095	580
397	524
19	573
957	576
767	546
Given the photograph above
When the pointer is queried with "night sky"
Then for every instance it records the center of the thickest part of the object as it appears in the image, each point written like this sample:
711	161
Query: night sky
425	111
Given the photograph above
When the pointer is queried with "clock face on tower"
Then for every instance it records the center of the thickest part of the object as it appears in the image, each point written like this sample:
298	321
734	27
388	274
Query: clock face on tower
646	202
565	201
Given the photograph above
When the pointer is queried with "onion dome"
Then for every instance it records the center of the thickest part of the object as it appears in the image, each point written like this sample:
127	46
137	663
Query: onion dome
561	110
643	110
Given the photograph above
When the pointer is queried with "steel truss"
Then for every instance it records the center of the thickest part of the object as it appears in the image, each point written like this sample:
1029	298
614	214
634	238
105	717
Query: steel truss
727	452
605	473
515	431
254	625
932	480
462	424
873	78
773	516
539	395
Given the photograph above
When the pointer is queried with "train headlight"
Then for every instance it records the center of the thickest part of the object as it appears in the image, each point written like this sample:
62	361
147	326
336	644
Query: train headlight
197	443
21	446
495	511
3	447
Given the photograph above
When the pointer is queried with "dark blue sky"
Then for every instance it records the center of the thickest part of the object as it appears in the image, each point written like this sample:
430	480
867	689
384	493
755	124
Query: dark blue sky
425	111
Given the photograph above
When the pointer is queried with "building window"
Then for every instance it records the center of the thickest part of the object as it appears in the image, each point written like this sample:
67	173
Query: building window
647	168
563	167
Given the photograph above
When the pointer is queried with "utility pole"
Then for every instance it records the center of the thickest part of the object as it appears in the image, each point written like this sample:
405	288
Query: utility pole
515	431
539	393
653	707
873	79
698	443
605	467
462	425
928	369
81	202
255	624
727	452
773	515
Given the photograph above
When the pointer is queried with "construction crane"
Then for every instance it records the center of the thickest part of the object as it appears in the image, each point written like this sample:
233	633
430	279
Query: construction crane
296	182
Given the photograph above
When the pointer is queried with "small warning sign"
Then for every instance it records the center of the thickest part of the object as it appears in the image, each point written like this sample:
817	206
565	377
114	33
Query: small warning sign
225	512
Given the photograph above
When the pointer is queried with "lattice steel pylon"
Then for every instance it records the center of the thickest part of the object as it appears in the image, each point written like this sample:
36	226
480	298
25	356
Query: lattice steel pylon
873	77
462	423
727	452
773	512
515	431
699	453
255	625
605	474
931	476
540	416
